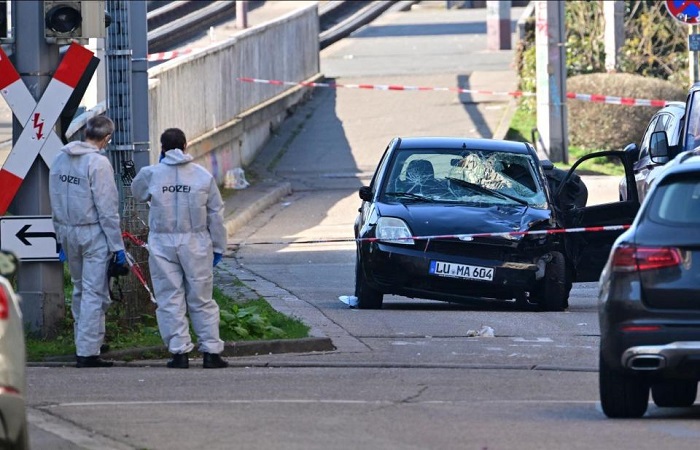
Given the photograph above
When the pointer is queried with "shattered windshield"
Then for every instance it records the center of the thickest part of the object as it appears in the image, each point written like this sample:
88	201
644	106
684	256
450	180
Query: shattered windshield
470	176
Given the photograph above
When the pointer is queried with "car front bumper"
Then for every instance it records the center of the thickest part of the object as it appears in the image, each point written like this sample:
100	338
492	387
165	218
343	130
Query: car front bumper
400	270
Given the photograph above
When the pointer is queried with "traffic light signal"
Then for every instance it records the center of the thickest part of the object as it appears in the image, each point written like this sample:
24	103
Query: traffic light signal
3	20
66	21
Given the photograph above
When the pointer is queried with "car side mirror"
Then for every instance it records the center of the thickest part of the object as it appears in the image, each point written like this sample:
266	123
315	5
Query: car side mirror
658	147
633	151
366	193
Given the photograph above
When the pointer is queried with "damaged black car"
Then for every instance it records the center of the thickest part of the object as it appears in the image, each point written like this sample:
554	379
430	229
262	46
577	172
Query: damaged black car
458	219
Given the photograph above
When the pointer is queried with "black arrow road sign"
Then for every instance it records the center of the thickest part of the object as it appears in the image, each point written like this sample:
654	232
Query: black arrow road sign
23	234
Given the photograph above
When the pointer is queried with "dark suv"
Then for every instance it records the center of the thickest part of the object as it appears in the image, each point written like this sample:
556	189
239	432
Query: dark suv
649	299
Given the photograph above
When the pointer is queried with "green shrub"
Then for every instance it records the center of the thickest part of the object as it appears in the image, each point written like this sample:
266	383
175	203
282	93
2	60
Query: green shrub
655	48
611	127
242	323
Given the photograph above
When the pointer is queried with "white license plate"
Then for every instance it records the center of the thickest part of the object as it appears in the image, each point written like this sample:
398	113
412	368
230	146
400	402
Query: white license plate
453	270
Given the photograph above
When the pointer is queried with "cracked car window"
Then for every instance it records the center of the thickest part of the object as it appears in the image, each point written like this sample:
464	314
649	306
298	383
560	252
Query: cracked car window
434	175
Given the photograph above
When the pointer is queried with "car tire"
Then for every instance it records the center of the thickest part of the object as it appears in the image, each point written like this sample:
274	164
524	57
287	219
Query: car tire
674	393
22	442
367	297
622	395
552	291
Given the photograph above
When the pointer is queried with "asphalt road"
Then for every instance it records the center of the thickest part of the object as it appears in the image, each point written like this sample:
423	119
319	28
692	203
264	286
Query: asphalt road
404	377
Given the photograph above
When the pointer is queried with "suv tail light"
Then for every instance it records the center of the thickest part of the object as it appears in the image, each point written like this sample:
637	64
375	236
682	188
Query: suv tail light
4	304
630	258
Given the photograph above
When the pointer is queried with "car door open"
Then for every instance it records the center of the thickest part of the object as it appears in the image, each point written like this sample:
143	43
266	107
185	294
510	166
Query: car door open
589	249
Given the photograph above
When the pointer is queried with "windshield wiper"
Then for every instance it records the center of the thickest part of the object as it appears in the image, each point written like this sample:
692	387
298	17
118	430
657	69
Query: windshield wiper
408	195
485	190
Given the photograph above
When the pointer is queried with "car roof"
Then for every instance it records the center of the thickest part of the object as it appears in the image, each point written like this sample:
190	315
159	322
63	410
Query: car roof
689	164
675	108
459	142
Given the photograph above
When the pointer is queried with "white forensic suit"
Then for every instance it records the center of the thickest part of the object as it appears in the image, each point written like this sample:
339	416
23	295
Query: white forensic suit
186	228
85	212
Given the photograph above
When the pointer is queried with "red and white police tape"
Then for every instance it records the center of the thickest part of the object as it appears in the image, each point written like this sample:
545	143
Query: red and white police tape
595	98
134	266
163	56
449	236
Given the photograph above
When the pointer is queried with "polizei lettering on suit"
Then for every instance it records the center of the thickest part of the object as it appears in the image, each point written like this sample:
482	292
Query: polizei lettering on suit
69	179
177	188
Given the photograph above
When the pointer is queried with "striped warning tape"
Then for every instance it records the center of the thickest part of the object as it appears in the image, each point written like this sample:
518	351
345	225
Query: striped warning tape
163	56
594	98
464	237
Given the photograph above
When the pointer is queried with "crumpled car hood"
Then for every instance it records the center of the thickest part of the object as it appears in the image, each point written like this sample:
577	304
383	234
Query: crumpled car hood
426	219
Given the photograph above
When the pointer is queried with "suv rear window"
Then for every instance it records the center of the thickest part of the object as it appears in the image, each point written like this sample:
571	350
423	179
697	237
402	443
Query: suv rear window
677	201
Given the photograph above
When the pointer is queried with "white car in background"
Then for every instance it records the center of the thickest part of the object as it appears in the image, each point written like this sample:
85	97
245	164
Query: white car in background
13	414
668	119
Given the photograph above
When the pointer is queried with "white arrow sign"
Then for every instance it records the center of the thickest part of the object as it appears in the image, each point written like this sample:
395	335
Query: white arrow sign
31	238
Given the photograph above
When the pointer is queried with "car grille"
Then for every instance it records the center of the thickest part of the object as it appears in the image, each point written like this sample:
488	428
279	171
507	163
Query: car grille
455	247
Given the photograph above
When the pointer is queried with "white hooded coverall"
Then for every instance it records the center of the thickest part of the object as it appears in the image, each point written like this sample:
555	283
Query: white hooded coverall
85	211
186	228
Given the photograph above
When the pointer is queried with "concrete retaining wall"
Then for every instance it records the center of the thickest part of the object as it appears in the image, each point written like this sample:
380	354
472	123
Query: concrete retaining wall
227	121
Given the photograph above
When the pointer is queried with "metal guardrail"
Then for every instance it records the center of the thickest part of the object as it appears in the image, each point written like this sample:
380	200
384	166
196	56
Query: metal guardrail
182	20
175	22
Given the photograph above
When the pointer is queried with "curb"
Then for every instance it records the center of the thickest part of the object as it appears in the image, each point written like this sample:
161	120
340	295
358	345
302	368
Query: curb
268	199
231	349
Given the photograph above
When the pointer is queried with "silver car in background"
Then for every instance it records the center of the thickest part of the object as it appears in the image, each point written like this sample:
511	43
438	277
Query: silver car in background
13	414
669	119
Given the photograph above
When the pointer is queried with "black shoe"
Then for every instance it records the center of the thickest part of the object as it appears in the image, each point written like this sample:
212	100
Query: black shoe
213	361
179	361
92	361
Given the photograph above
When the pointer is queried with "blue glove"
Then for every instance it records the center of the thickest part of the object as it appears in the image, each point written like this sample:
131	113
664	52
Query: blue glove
61	255
217	258
120	257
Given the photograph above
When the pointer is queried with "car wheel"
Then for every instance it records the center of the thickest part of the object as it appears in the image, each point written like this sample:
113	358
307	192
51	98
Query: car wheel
622	395
674	393
552	292
367	297
22	442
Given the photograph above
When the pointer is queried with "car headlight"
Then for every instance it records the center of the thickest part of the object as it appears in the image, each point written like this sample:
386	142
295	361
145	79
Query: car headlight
393	230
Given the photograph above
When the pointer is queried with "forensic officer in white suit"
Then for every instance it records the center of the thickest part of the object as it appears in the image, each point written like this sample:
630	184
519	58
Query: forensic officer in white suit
85	211
186	240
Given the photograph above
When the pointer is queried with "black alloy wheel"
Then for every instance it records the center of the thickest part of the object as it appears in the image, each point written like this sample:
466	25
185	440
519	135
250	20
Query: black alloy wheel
367	297
674	393
622	395
552	291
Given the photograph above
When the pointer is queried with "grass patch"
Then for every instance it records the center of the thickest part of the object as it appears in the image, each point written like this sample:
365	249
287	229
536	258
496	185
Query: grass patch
240	321
521	125
255	320
520	130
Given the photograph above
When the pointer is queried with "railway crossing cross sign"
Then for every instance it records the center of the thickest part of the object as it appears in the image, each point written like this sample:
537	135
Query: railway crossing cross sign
686	11
39	118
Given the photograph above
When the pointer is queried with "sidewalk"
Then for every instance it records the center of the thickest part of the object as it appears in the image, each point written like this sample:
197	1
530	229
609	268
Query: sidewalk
243	205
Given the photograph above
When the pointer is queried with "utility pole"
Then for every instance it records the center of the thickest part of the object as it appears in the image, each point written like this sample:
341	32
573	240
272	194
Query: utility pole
498	34
614	14
242	14
139	82
39	283
693	47
550	58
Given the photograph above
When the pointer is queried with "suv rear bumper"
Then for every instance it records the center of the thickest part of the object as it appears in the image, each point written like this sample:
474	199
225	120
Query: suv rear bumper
651	358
